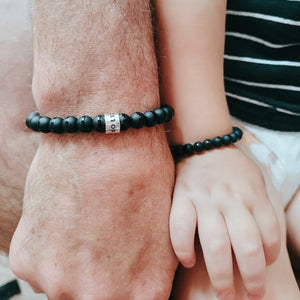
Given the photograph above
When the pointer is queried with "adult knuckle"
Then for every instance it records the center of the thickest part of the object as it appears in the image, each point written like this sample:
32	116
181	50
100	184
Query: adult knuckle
24	271
150	295
162	288
57	284
158	287
57	292
99	294
18	266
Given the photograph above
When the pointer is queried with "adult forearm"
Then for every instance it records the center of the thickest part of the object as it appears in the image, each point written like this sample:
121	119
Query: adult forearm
89	57
89	196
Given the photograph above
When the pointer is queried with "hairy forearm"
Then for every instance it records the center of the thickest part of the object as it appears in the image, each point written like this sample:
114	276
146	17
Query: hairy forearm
98	193
191	37
93	57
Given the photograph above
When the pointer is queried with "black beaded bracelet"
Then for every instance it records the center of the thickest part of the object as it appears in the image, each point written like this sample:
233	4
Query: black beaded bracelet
107	123
198	147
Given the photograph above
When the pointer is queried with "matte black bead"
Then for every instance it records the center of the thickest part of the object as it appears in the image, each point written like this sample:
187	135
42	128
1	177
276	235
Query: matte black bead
44	124
168	113
55	125
233	136
30	117
179	150
34	123
188	149
137	120
124	122
226	140
150	118
198	147
172	149
69	124
159	115
208	144
99	123
170	108
85	124
238	131
217	141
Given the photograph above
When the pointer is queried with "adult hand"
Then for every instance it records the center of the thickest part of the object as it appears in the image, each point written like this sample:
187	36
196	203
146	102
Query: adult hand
95	218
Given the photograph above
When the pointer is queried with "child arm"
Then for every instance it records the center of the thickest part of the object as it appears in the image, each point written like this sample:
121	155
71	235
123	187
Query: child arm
191	61
222	191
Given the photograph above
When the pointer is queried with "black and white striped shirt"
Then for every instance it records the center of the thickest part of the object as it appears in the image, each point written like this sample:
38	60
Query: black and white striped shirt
262	62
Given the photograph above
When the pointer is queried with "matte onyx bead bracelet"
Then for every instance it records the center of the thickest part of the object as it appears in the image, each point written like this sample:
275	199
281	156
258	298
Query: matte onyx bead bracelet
208	144
107	123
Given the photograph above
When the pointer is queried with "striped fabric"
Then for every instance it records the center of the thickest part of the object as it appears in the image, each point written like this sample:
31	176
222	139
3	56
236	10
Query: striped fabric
262	62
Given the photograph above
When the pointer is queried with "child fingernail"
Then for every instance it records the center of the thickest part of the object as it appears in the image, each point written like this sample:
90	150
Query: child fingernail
255	296
226	296
190	263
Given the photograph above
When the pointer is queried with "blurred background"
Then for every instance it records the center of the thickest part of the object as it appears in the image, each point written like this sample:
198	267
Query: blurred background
17	146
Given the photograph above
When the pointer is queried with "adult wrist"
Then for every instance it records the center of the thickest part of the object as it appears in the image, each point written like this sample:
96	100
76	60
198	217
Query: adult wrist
107	123
135	146
69	101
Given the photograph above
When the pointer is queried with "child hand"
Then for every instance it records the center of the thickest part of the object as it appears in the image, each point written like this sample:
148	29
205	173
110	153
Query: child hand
223	192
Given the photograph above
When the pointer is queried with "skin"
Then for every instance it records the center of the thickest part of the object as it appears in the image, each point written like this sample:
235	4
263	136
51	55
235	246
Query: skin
228	214
293	225
103	224
194	283
16	95
222	193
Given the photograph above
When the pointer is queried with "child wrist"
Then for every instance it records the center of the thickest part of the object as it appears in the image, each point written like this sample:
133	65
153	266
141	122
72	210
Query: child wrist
198	147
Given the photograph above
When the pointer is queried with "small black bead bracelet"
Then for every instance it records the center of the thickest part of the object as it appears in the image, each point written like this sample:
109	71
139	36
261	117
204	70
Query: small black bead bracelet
108	123
198	147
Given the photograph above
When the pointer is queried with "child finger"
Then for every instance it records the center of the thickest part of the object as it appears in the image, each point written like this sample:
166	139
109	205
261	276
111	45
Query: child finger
247	246
216	248
183	220
269	226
